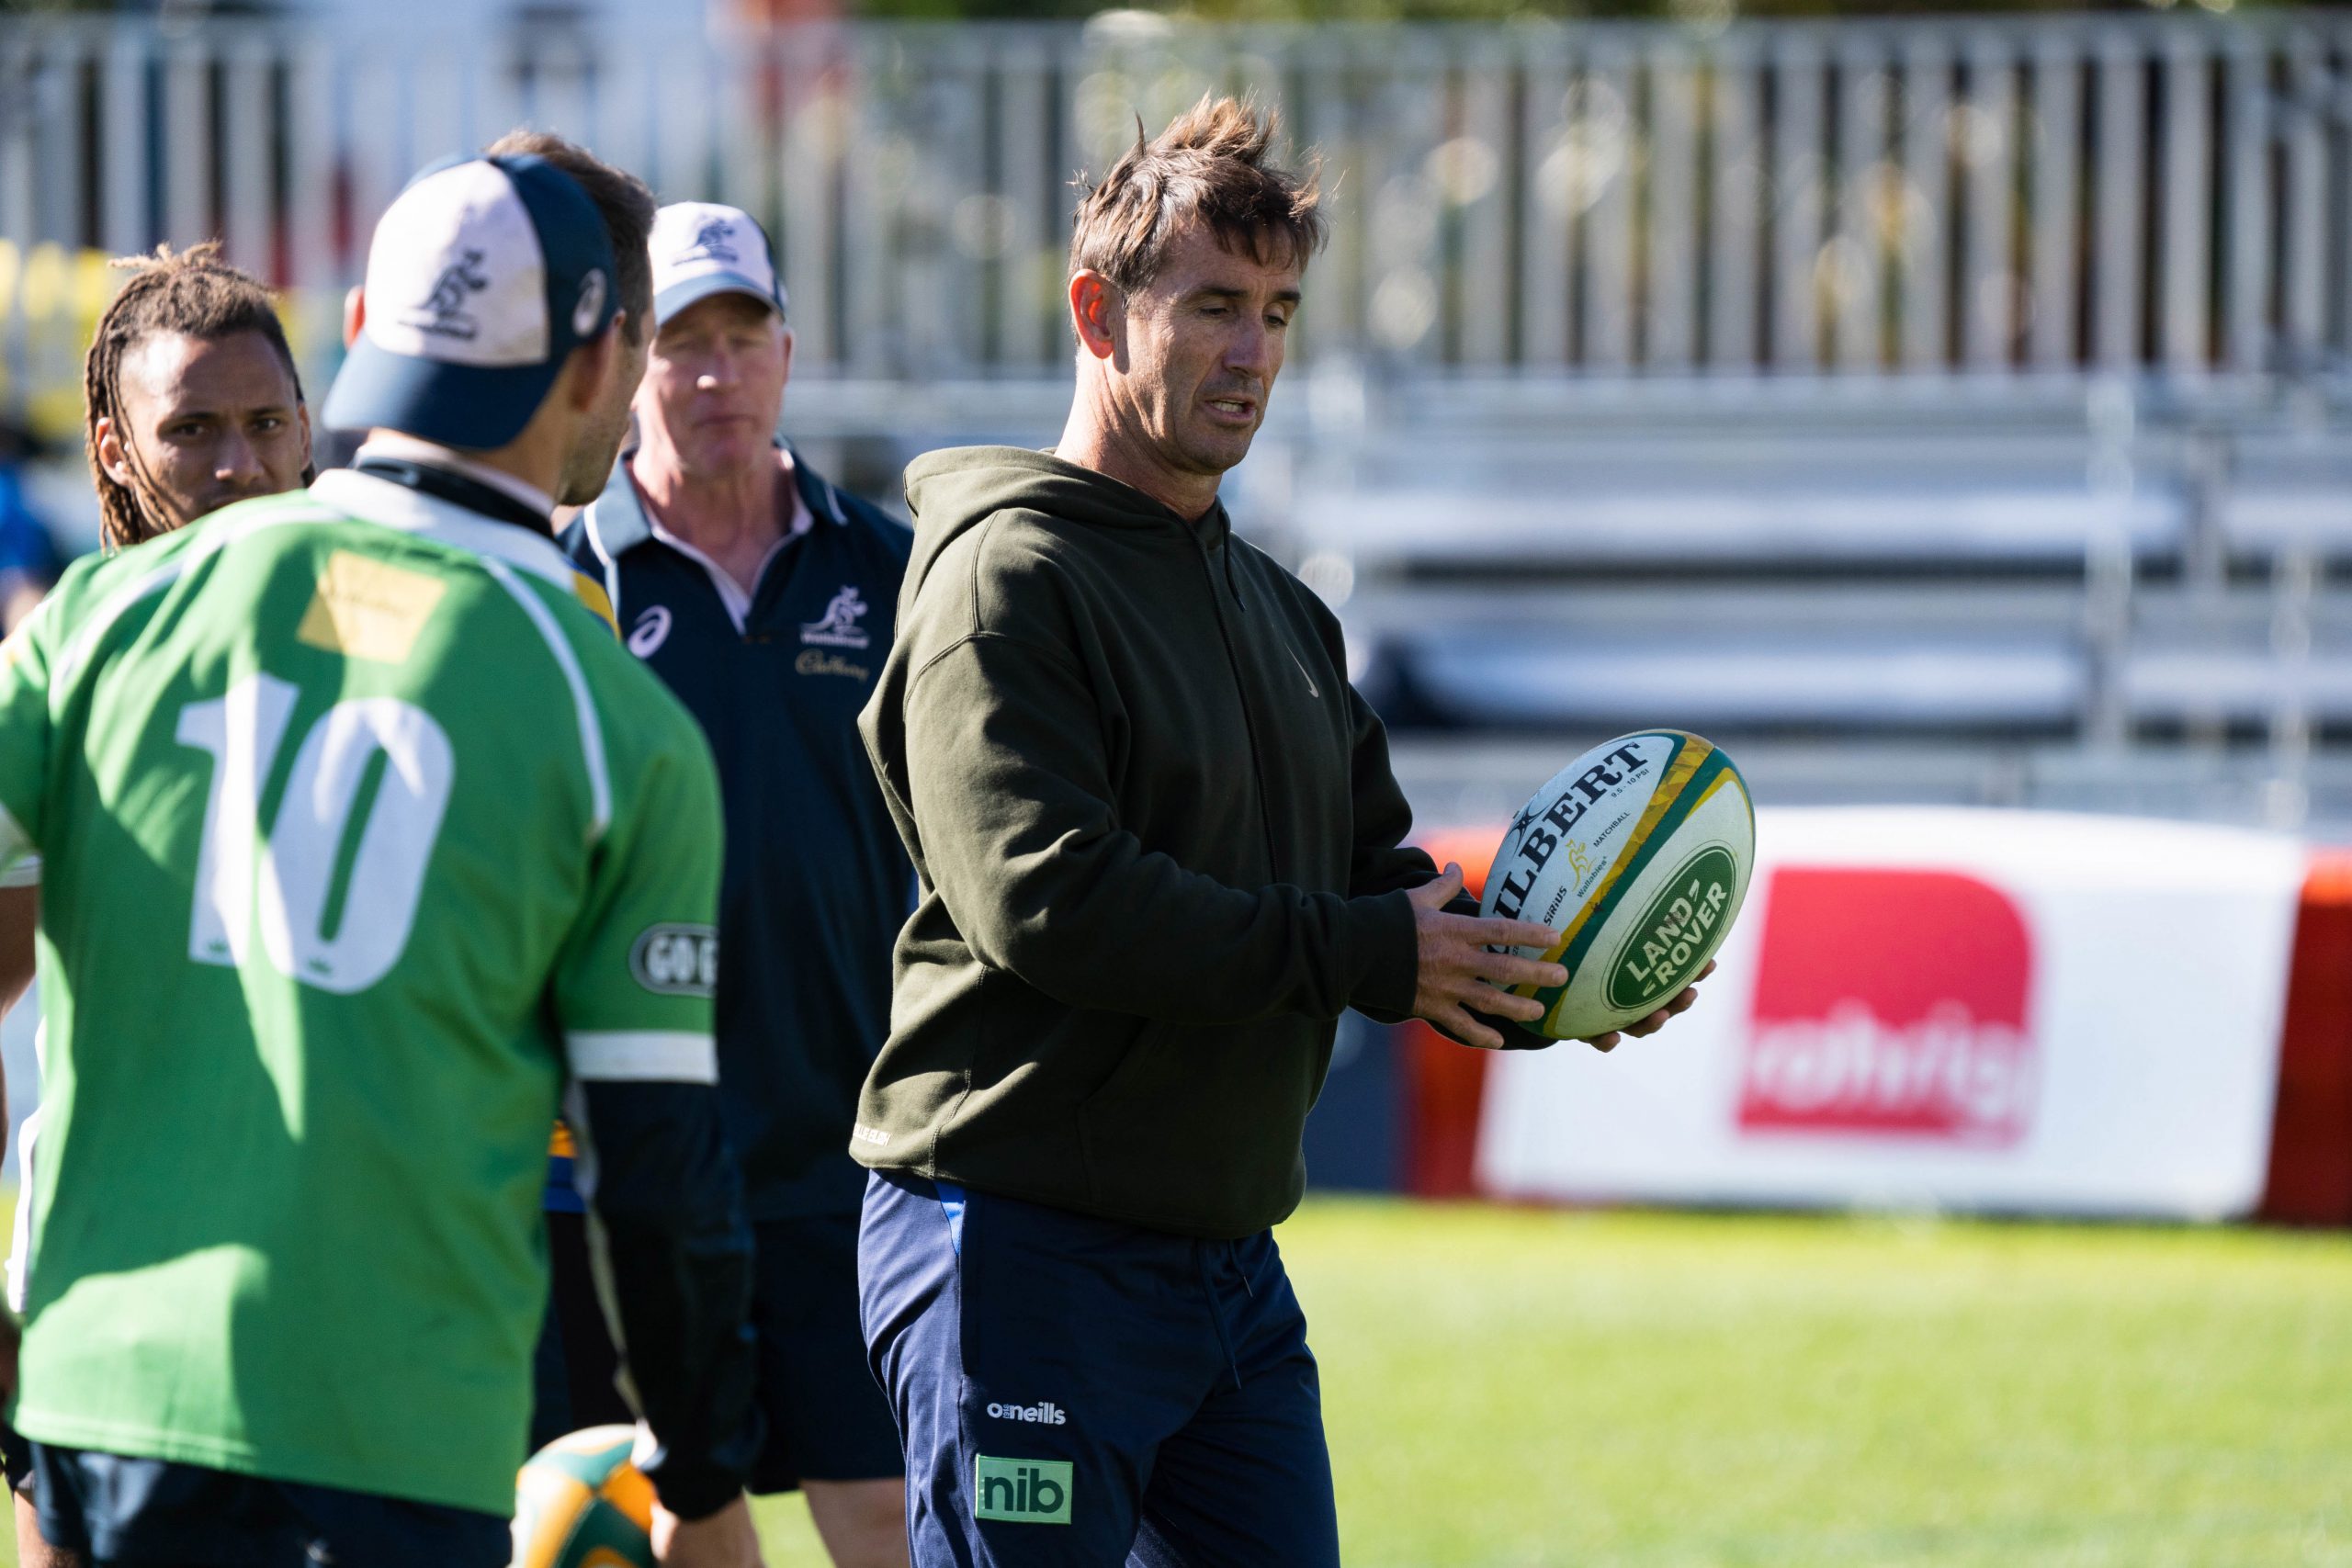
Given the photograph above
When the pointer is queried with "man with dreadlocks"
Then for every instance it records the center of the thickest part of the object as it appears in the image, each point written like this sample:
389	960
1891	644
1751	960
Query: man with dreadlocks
192	398
191	401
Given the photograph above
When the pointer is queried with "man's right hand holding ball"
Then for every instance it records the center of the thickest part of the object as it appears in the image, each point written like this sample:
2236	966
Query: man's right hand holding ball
1459	975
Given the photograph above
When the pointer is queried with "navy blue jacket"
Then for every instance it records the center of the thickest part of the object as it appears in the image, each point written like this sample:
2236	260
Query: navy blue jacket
817	883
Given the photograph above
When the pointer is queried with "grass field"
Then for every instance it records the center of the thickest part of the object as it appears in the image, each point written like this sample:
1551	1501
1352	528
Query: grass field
1510	1388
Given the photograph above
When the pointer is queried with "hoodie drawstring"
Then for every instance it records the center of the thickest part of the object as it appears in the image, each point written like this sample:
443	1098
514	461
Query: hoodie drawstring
1240	688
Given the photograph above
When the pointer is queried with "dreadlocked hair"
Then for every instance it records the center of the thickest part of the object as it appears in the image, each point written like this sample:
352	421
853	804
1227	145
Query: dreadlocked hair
193	292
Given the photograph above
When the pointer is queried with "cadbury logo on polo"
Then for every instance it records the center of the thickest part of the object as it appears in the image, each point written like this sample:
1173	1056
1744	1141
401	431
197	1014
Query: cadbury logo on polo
817	661
1540	836
1021	1491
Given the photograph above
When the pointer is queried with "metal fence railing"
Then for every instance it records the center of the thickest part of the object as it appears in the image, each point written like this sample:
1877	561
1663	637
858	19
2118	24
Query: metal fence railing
2163	195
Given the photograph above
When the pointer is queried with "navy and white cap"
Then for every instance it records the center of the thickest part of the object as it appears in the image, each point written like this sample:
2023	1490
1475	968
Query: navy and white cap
701	248
482	277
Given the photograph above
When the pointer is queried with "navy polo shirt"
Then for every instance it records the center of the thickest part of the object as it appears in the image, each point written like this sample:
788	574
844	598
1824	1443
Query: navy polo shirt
817	883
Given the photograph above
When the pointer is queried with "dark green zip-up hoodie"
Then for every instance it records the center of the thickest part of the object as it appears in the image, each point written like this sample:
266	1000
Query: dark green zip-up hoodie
1159	843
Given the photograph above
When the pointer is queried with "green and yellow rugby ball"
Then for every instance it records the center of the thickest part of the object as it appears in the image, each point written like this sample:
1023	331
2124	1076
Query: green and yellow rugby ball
1640	852
580	1503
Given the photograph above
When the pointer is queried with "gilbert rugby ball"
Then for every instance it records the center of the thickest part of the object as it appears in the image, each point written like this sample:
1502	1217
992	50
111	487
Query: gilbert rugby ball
1640	851
580	1503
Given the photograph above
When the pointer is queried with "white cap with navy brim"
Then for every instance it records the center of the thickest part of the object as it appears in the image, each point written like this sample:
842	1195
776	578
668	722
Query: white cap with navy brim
702	248
483	277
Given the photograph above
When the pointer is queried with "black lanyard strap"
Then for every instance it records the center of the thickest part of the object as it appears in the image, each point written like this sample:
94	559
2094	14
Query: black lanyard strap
459	490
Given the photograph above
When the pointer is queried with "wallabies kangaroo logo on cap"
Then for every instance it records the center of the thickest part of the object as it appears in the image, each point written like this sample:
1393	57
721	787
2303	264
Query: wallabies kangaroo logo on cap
716	239
443	312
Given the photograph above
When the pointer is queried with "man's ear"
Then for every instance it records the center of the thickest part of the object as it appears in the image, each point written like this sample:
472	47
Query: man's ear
111	457
788	341
1094	307
355	313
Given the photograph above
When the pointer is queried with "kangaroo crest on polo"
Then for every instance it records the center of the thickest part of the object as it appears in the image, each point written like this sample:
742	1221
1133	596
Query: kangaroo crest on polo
1640	851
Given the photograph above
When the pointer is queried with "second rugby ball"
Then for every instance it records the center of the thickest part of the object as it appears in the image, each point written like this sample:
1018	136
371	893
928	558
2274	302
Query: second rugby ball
1640	851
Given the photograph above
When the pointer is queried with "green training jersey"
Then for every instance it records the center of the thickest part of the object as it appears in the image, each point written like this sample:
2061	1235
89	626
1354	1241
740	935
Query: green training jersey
358	826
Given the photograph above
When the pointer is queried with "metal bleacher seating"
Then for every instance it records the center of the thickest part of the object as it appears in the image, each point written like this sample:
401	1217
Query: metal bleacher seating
1932	408
2066	602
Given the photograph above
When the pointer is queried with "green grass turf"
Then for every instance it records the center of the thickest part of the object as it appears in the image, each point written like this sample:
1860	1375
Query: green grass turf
1522	1388
1512	1388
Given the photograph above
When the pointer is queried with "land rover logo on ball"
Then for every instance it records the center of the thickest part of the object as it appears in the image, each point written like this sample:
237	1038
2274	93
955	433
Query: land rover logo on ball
676	960
1672	935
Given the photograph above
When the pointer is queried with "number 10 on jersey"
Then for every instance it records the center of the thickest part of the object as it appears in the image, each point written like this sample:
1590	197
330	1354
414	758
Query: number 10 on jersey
333	881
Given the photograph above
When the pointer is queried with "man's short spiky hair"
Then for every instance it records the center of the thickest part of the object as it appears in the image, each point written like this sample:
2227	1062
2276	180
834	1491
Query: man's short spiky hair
622	199
1213	166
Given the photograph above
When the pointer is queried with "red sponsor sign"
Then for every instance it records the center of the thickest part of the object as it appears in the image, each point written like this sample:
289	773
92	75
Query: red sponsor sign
1892	1004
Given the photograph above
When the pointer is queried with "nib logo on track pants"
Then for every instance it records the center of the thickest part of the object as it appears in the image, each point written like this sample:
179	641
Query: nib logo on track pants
1033	1492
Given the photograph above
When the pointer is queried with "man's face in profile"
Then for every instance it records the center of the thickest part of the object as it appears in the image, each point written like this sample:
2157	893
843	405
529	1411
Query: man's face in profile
591	461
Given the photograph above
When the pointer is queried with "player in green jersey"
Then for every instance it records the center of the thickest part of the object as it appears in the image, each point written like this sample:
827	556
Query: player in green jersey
362	840
191	402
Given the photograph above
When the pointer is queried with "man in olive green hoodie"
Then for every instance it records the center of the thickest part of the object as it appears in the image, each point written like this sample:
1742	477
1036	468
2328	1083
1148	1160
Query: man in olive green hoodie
1160	851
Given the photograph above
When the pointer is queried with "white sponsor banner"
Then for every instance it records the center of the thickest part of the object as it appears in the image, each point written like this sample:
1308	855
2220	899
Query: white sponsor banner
1985	1010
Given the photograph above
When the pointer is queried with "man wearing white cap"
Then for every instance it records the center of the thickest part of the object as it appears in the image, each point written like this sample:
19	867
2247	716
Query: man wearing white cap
358	830
763	597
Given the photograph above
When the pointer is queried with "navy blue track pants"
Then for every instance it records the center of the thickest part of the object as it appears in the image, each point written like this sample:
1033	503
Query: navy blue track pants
1075	1391
153	1513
